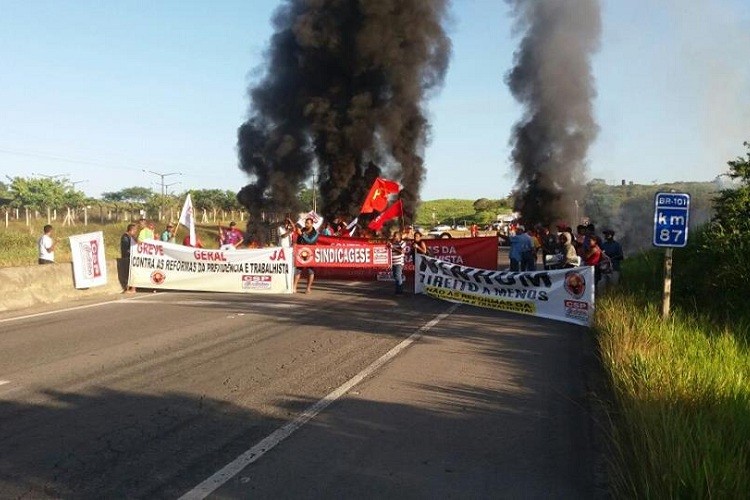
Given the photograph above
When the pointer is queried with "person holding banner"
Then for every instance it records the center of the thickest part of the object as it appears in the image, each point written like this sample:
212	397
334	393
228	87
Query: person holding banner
398	249
307	236
230	239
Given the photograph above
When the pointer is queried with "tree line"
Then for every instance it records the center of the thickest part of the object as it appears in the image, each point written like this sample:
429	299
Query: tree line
41	194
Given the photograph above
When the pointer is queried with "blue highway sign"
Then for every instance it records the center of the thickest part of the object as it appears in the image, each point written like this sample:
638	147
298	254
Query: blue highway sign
671	216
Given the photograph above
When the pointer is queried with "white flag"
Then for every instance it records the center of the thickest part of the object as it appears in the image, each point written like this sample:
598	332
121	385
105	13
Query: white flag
187	218
352	226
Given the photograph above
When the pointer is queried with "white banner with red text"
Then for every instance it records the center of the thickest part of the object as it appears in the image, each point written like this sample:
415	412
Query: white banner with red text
564	295
89	266
160	265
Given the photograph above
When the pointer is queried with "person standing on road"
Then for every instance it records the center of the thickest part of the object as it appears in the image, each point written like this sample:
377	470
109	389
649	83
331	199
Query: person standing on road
127	240
550	245
594	256
570	256
146	231
286	233
419	246
46	246
307	236
613	249
231	238
167	235
521	251
398	250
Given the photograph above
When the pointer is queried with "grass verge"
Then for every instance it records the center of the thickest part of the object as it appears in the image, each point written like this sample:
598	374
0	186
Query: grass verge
680	415
18	243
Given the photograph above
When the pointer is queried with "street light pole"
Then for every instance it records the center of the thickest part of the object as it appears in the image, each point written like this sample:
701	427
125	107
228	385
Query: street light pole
51	176
162	176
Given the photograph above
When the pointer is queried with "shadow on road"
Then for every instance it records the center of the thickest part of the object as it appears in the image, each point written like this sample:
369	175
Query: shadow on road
102	443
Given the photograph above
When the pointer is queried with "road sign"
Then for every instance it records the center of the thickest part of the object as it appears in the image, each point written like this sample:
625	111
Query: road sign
671	215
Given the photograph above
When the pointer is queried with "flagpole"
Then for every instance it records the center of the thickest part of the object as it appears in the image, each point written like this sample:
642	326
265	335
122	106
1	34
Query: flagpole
403	223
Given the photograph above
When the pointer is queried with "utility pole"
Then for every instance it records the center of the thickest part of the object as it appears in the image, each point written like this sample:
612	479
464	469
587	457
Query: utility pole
51	176
315	198
163	186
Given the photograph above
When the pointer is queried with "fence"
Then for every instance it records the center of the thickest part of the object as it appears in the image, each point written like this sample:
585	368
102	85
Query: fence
102	215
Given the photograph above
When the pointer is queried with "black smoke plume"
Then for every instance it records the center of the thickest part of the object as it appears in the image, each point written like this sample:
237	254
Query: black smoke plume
344	87
552	78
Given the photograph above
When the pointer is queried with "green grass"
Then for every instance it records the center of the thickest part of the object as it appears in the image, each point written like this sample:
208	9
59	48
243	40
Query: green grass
680	415
18	241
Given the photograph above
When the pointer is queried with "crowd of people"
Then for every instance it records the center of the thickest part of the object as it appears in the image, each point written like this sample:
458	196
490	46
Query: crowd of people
530	249
564	249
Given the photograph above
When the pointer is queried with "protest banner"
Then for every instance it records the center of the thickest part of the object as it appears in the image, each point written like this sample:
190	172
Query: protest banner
474	252
352	255
565	295
89	266
161	265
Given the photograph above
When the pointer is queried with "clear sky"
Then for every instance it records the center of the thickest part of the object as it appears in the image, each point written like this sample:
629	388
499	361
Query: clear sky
100	90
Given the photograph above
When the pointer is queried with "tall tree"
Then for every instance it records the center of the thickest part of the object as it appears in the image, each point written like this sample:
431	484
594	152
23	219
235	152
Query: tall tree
733	205
38	194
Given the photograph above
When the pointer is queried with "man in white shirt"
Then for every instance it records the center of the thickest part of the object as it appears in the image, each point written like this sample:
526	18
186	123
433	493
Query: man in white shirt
46	246
286	233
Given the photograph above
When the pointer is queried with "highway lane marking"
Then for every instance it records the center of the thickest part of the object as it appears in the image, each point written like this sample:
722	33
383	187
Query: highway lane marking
76	308
269	305
266	444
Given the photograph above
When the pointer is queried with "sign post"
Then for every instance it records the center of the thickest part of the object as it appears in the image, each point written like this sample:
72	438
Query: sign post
671	217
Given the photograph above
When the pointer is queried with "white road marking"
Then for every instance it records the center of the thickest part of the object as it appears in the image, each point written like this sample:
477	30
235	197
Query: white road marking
268	305
76	308
269	442
4	382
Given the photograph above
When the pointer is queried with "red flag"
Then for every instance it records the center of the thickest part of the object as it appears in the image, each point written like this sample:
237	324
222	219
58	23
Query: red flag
377	198
395	210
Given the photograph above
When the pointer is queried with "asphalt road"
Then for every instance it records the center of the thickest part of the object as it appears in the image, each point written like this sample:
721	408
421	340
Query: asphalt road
148	396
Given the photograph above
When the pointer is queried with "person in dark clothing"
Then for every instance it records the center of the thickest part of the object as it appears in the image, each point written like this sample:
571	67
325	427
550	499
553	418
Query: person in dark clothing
307	236
613	250
123	264
550	245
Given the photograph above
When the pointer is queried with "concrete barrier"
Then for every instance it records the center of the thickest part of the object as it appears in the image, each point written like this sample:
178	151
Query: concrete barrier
22	287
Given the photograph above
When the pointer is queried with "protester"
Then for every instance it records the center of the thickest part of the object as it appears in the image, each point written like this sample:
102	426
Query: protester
550	245
398	250
327	229
594	256
168	234
186	241
46	246
307	236
231	238
536	243
418	246
570	257
474	230
127	240
613	250
146	231
286	233
521	251
408	233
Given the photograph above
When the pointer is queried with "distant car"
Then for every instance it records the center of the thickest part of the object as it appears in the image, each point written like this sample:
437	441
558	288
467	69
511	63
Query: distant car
440	228
461	228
